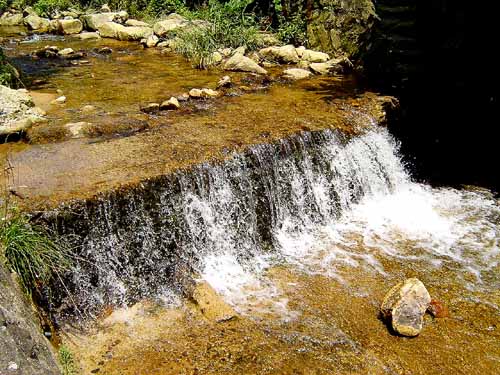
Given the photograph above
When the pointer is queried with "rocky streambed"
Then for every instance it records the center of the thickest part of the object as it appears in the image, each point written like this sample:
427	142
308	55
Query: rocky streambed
253	232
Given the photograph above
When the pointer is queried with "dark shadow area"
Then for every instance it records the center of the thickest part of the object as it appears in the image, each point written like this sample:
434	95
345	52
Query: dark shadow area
441	65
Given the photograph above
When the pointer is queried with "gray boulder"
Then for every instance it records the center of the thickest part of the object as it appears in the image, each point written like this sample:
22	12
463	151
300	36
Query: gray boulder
24	349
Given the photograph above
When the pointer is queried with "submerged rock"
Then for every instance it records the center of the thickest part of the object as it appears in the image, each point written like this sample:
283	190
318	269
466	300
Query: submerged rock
405	305
151	41
224	82
211	305
241	63
88	35
296	74
78	129
150	108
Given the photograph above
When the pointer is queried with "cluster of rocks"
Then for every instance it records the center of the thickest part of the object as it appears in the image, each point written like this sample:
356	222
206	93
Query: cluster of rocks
17	111
174	102
117	25
405	305
56	52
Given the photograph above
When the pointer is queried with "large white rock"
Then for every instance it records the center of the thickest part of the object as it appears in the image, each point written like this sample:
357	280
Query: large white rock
132	22
17	111
36	23
173	22
68	27
241	63
314	56
285	54
94	21
8	19
296	74
134	32
405	305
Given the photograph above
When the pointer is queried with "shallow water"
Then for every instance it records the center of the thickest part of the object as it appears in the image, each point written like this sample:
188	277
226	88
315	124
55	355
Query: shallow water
310	306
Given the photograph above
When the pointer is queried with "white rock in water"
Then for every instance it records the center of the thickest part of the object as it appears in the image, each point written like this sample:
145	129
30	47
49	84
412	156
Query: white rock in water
172	103
12	366
60	100
405	305
195	93
296	74
66	51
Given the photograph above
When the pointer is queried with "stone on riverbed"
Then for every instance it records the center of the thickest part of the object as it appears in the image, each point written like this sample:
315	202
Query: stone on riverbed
285	54
88	35
314	56
68	27
78	129
93	22
296	74
241	63
9	19
173	22
211	305
17	112
170	104
150	108
38	24
405	305
116	31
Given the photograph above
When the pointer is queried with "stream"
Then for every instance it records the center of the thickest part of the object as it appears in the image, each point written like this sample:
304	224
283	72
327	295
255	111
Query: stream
287	199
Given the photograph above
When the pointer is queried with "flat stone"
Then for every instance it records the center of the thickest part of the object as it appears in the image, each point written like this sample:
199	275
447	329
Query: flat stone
78	129
93	22
296	73
151	108
211	305
209	93
195	93
66	51
88	35
8	19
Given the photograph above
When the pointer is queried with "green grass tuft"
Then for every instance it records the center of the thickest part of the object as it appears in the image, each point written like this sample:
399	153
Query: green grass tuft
67	361
30	251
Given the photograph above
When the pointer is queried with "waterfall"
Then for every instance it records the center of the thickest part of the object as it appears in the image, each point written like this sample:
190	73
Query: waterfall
227	222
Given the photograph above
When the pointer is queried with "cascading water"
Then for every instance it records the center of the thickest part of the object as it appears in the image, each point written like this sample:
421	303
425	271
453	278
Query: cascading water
316	201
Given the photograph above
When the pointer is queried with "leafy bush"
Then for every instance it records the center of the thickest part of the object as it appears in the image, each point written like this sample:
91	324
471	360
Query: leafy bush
8	76
160	7
46	8
3	5
293	30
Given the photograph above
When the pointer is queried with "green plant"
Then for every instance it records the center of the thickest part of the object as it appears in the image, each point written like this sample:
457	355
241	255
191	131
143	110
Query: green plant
31	252
46	8
227	25
67	361
292	30
3	5
8	74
